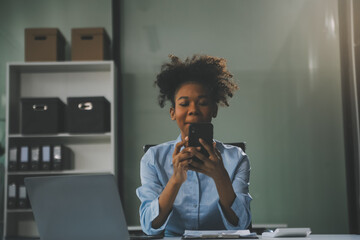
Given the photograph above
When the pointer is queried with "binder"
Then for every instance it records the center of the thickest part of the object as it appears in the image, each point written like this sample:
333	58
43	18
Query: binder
35	158
12	196
62	158
23	200
46	157
13	159
24	158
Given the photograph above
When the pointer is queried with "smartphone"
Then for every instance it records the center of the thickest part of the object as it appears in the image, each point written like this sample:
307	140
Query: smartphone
200	130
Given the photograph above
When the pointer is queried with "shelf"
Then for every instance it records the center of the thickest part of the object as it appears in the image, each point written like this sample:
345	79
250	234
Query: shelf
31	173
27	210
94	153
67	66
65	138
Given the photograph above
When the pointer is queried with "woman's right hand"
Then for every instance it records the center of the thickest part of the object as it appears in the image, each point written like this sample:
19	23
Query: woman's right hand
181	161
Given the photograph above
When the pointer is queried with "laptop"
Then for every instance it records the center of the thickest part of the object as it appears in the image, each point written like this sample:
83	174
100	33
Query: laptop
77	207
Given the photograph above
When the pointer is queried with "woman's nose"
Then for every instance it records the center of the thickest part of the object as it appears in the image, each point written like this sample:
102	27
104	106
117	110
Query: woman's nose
193	109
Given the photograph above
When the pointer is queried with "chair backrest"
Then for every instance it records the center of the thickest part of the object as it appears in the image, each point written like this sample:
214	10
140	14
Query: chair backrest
241	145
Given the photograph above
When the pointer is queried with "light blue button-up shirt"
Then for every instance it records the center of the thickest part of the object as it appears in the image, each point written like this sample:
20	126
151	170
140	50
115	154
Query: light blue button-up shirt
197	205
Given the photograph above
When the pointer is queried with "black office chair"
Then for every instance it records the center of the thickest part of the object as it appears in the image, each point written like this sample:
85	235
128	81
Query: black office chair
241	145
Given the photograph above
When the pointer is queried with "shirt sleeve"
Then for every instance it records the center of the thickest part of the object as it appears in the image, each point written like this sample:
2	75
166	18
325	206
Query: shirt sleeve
241	204
149	193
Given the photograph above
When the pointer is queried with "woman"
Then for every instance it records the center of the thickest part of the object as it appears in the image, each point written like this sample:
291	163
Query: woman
178	193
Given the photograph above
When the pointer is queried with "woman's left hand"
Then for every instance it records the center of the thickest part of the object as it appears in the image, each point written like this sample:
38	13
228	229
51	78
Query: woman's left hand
211	166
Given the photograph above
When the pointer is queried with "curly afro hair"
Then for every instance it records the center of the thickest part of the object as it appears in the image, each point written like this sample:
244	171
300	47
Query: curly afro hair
207	70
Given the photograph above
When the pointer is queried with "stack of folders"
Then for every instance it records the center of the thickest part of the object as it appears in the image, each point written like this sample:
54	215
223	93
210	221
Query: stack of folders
34	158
222	234
17	196
288	232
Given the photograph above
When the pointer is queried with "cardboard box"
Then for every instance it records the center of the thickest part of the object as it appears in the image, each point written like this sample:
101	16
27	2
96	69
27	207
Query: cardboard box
44	44
89	44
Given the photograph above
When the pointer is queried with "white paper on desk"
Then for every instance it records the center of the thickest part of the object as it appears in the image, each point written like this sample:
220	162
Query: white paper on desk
217	234
288	232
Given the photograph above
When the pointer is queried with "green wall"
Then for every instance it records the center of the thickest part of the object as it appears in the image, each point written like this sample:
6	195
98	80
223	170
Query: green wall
285	55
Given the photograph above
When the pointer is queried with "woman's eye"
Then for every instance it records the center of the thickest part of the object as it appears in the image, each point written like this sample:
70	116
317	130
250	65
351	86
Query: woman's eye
204	103
183	104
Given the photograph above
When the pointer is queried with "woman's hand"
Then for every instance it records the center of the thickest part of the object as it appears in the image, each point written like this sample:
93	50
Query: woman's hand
211	166
181	161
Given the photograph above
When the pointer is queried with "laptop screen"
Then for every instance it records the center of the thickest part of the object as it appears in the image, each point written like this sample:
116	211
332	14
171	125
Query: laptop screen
77	207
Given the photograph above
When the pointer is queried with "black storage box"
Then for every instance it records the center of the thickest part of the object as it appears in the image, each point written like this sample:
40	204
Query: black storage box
42	115
88	115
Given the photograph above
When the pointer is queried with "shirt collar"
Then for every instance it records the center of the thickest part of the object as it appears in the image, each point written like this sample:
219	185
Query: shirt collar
178	139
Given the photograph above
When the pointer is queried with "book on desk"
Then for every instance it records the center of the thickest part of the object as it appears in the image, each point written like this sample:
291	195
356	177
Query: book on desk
218	234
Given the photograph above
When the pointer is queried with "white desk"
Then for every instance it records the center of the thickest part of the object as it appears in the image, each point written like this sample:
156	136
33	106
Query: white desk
312	237
324	237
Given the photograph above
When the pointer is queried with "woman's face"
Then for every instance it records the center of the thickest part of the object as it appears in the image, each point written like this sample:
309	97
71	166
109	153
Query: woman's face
193	104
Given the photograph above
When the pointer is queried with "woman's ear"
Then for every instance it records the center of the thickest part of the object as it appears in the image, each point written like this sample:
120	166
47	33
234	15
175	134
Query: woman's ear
214	114
172	113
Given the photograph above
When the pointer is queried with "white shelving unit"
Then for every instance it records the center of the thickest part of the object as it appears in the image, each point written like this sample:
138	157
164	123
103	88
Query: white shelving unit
93	153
